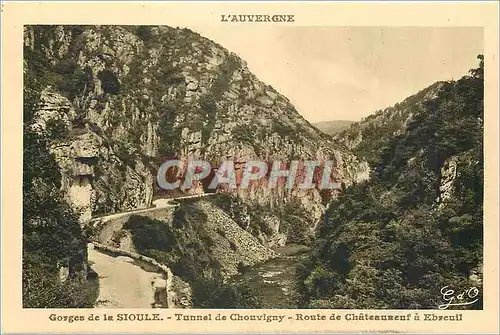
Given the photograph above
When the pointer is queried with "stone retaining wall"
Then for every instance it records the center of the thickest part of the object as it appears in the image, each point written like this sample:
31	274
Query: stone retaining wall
173	300
106	226
118	252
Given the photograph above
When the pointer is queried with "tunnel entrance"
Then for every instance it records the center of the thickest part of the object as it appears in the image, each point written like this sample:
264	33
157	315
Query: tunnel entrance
207	181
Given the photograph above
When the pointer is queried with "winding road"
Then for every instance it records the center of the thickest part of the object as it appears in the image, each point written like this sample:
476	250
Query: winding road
122	283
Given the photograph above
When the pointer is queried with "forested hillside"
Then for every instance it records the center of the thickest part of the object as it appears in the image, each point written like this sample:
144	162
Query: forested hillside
417	225
373	133
52	238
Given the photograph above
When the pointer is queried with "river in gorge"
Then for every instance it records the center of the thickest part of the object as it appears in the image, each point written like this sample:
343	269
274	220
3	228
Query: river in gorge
275	280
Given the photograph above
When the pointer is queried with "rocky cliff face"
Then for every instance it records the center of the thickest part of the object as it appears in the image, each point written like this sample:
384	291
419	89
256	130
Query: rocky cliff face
121	99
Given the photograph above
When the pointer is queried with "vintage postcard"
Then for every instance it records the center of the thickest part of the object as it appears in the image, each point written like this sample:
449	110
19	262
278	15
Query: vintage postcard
257	167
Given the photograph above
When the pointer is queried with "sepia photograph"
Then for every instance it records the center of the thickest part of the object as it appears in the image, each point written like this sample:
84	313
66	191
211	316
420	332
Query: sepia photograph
269	167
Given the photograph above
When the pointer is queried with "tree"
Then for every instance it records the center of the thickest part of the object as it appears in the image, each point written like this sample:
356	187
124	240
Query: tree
144	32
392	241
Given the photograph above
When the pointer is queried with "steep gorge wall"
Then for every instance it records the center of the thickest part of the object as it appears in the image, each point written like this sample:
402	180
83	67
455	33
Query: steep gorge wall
373	133
136	95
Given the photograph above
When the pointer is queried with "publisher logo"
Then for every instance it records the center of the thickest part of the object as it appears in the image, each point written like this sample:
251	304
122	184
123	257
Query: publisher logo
467	297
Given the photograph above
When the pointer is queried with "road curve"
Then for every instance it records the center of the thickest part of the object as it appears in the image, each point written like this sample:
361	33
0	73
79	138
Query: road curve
159	203
122	284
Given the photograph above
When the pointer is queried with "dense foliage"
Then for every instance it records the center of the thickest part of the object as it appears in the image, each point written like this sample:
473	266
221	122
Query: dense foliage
371	135
397	239
51	233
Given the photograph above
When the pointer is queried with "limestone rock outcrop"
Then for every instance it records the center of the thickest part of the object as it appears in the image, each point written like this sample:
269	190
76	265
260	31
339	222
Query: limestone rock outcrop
130	97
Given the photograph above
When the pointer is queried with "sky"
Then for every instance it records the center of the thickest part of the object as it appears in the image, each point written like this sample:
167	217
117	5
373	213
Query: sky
347	73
